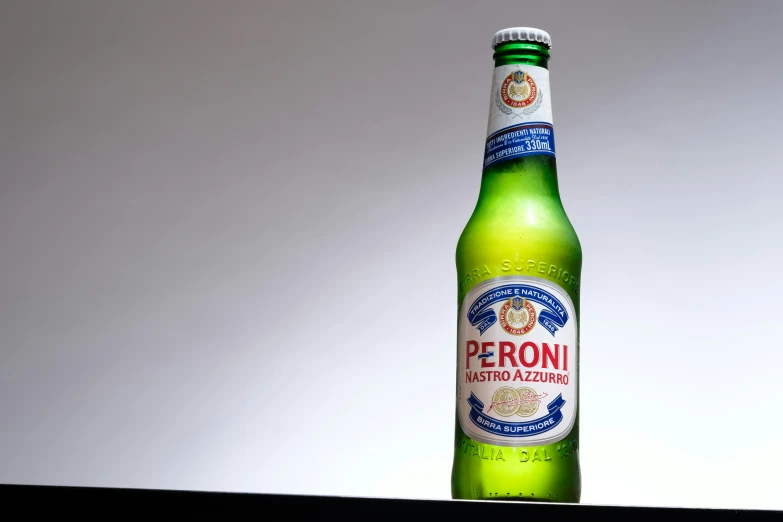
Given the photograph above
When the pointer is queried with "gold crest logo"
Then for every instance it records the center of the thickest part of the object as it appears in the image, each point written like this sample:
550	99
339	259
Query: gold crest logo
518	90
517	316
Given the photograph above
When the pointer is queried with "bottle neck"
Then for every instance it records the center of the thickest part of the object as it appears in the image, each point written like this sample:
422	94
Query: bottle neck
521	53
519	158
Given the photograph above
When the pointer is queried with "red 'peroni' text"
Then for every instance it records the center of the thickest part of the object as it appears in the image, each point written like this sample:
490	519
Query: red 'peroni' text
528	355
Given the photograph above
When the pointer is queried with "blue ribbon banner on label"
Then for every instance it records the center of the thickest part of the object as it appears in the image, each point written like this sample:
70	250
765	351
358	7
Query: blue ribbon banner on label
520	140
551	317
516	429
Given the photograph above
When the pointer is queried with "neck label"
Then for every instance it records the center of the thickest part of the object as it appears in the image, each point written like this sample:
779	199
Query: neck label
520	114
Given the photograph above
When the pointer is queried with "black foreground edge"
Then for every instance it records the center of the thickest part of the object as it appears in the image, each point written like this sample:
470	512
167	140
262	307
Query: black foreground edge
110	503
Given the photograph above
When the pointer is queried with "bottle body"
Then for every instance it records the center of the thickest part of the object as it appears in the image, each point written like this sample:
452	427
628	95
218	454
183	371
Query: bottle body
518	264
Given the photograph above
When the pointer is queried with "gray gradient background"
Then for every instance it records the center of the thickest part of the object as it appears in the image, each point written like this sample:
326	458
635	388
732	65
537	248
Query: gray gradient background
228	235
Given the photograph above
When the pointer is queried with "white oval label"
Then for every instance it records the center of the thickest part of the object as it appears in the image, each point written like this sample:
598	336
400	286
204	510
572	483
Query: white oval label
517	375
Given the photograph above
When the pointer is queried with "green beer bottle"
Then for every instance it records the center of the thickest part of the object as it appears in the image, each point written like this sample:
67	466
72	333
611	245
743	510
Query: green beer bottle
518	267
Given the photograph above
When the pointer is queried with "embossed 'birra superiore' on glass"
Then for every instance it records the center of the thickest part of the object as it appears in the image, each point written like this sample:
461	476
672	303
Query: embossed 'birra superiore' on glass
518	266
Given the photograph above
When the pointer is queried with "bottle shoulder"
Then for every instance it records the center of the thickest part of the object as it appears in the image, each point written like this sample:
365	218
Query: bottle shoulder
510	244
531	224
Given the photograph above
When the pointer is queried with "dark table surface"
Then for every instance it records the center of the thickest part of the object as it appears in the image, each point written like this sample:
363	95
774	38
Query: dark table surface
108	503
